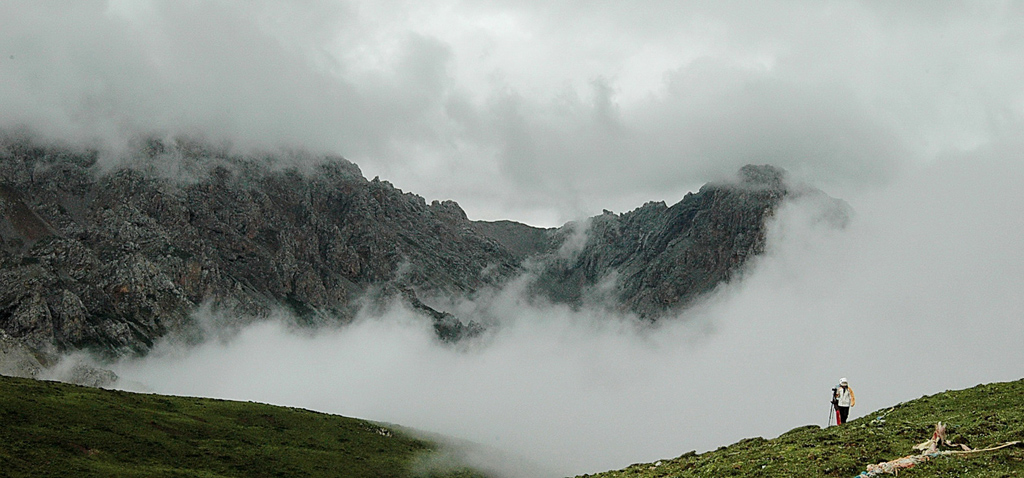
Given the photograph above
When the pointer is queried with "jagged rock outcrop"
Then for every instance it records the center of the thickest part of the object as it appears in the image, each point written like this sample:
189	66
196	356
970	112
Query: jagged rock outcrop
111	258
114	260
656	259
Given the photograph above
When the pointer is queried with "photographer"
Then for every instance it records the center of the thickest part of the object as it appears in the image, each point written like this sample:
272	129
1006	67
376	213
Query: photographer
843	399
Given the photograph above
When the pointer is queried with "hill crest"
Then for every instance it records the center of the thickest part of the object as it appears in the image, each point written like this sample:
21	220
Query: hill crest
980	416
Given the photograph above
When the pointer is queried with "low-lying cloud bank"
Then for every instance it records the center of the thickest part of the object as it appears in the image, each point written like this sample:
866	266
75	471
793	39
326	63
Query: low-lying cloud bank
918	294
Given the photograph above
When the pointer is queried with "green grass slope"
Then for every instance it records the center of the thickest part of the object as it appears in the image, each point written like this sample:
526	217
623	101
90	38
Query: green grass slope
979	417
55	429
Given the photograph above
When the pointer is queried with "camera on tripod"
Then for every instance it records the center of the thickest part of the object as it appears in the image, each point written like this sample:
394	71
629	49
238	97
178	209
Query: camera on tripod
833	413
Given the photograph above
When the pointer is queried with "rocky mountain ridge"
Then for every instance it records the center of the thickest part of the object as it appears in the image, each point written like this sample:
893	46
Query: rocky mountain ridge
111	259
658	258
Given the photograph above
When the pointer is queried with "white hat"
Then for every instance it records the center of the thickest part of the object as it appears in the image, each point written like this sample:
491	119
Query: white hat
843	381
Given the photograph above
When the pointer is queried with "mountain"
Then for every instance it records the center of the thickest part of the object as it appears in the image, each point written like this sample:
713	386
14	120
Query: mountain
657	259
56	429
981	417
110	256
114	259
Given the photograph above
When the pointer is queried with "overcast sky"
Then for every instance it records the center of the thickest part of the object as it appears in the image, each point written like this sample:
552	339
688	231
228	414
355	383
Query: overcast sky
544	111
537	111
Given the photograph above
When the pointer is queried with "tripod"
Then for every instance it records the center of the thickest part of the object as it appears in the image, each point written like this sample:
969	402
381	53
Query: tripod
833	412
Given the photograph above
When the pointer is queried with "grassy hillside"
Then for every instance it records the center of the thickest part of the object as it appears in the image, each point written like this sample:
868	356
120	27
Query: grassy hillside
55	429
978	417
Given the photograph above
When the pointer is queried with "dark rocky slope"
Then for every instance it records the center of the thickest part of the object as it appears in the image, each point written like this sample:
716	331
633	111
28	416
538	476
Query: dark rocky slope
522	240
656	259
111	258
114	260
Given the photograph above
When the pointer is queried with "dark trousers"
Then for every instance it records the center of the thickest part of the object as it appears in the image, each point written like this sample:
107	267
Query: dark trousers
843	413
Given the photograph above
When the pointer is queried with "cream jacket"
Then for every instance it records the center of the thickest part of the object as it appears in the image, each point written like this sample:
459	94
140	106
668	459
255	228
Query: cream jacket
845	396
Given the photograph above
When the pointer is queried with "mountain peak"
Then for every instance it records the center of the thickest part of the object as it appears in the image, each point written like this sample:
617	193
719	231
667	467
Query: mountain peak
763	175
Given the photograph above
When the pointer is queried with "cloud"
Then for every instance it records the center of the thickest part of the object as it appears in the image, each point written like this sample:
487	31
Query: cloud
257	75
535	111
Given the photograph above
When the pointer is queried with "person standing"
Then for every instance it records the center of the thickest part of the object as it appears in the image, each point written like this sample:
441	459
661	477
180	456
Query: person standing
843	399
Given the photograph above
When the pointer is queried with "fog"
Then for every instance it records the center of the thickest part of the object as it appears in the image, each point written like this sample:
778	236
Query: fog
920	293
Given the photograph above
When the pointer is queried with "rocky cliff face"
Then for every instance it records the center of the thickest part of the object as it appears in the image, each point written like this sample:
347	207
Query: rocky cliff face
657	259
111	259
